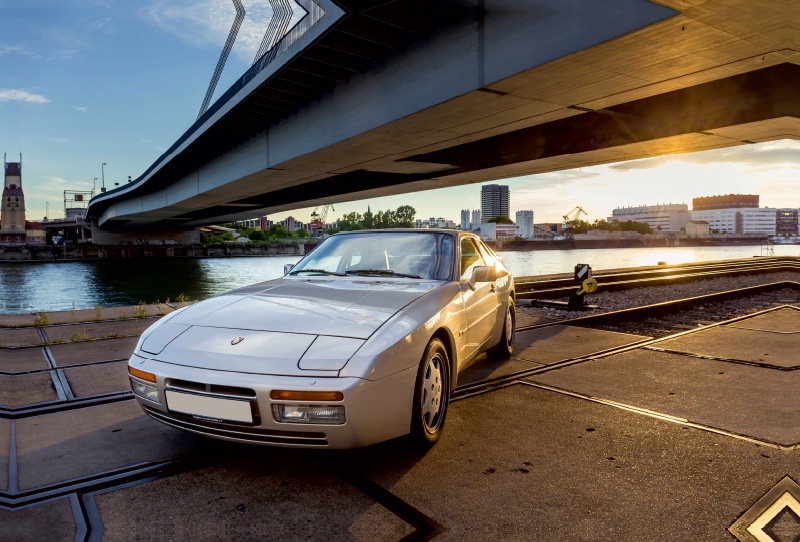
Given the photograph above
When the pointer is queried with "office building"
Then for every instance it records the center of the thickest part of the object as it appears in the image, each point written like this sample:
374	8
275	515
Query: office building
728	201
495	201
524	224
786	222
739	220
670	217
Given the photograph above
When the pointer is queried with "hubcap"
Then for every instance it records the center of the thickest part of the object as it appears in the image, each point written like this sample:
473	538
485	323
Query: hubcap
432	393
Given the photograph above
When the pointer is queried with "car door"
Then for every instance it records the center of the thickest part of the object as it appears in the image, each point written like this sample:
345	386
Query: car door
480	304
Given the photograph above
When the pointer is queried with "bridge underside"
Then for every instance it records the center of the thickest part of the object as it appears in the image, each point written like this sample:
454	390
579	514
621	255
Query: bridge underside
706	76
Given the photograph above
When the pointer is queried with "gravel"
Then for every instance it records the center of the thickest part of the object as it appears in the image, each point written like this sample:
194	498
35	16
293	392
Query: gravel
649	295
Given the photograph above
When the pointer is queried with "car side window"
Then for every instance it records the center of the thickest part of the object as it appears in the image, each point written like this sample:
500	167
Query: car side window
470	258
488	255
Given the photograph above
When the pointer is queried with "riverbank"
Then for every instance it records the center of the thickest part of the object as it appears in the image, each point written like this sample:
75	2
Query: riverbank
649	242
84	252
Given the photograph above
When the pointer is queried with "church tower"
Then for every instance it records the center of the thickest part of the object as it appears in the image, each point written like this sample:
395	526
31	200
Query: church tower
12	212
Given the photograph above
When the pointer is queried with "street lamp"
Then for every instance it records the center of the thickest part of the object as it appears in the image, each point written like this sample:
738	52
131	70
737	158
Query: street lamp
103	175
46	209
94	186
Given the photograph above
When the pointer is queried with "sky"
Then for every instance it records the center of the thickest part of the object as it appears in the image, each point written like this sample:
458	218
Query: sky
83	82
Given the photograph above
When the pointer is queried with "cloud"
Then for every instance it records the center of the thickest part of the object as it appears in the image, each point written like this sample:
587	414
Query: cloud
80	108
206	22
19	95
17	49
59	139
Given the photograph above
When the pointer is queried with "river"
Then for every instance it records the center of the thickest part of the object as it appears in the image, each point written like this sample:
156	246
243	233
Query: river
47	286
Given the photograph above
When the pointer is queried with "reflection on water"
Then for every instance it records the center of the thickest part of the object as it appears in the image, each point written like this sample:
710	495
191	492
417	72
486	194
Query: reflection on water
547	262
56	286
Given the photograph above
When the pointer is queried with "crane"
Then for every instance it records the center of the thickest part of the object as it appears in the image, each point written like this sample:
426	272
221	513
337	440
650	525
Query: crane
320	218
323	216
570	218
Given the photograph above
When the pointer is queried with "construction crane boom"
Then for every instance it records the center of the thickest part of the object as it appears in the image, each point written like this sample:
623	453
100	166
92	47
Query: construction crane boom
574	214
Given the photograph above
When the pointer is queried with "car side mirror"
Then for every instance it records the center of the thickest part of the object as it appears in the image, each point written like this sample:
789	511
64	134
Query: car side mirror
482	274
287	267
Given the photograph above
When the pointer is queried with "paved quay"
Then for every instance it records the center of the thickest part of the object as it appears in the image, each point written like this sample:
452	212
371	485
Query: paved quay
585	434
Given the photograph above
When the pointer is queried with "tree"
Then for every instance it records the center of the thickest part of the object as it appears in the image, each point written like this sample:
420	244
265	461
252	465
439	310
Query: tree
501	220
404	216
257	235
301	232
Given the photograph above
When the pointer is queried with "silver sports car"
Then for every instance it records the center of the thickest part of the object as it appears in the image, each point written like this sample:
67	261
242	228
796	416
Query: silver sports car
362	341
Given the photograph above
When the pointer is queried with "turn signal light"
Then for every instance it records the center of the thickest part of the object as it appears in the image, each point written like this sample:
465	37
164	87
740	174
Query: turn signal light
283	395
150	377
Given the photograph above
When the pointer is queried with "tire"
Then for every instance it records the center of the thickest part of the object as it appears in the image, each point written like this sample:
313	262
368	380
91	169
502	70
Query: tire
431	396
505	347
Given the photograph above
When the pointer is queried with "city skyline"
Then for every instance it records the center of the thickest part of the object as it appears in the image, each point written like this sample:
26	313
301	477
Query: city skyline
73	98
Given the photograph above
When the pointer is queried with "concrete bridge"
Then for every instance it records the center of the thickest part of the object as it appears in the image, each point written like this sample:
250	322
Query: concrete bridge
362	100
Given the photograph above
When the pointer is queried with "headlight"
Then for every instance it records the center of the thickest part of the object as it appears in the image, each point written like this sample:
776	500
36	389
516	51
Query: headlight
145	391
321	414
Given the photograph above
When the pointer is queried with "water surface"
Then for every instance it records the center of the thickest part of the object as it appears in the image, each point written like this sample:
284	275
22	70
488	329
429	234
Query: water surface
31	286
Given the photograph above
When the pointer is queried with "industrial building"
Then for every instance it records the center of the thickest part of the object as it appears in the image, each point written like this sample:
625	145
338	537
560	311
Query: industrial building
495	200
671	217
524	224
735	213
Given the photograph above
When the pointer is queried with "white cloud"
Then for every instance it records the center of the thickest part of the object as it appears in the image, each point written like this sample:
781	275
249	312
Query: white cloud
205	22
59	139
19	95
80	108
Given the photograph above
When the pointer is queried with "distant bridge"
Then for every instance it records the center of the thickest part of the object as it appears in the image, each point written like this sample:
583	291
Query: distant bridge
364	99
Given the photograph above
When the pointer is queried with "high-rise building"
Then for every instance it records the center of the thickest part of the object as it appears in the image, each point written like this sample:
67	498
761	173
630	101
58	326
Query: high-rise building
495	201
525	224
475	221
12	214
465	219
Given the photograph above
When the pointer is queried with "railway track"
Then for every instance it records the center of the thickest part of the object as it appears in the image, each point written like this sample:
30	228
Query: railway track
616	280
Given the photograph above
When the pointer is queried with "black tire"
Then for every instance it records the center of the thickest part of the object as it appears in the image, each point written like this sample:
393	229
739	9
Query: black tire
505	347
431	396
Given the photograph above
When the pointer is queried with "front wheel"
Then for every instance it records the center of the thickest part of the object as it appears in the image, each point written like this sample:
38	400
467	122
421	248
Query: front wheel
505	347
431	396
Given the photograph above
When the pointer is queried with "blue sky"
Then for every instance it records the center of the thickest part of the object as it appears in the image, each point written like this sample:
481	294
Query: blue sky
89	81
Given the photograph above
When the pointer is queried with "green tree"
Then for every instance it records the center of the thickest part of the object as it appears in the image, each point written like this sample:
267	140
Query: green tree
301	232
257	235
501	220
404	216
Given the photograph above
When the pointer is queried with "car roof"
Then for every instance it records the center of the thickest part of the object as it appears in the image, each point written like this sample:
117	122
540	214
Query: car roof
453	233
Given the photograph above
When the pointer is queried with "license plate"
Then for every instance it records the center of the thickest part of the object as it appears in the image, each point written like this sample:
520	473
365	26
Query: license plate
208	408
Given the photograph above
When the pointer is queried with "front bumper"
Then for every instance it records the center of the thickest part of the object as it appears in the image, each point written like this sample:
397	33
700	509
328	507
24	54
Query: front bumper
375	410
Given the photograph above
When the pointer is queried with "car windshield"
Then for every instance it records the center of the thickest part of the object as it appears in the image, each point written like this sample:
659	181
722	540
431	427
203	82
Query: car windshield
407	255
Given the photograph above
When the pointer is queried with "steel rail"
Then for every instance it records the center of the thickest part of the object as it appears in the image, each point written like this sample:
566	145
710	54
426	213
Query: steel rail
554	288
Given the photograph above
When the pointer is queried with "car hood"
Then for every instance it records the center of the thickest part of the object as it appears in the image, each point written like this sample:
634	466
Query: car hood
337	307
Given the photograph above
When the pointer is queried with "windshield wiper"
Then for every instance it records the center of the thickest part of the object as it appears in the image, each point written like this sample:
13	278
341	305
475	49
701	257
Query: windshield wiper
322	271
386	272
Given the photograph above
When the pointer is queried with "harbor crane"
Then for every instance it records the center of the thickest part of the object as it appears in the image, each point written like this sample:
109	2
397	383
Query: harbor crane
570	218
322	216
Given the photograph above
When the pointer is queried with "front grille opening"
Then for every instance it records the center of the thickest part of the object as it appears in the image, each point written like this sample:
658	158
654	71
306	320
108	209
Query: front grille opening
307	438
210	388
